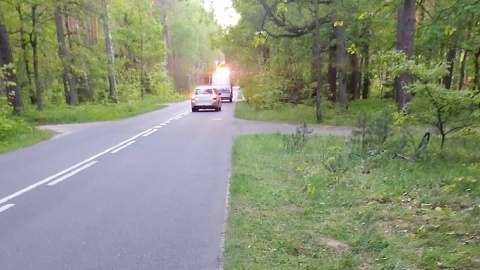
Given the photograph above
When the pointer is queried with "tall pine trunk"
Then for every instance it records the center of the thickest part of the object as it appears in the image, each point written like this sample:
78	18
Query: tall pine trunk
34	44
110	52
332	73
463	67
476	78
12	88
69	84
447	79
317	65
23	48
354	77
405	43
341	66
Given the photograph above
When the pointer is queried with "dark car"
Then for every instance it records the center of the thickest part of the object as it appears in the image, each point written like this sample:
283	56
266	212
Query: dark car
226	93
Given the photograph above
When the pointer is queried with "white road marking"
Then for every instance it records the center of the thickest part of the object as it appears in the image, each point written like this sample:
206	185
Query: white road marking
122	147
71	173
149	133
20	192
163	124
6	207
217	119
46	180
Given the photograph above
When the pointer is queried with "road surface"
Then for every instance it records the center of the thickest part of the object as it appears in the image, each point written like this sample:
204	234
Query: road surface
148	192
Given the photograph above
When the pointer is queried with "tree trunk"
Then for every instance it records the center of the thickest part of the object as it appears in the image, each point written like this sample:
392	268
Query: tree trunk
83	80
353	81
366	72
34	44
12	88
341	67
165	40
318	65
447	79
110	52
476	78
405	44
69	84
463	67
38	86
23	48
332	73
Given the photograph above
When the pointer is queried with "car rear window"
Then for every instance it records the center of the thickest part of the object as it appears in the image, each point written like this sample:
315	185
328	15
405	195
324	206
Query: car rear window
223	90
203	91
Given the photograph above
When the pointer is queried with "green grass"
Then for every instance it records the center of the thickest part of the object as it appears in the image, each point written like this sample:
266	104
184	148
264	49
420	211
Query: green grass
306	113
18	134
319	208
63	114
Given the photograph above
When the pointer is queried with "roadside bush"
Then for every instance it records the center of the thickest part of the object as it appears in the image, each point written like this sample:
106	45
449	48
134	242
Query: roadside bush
10	128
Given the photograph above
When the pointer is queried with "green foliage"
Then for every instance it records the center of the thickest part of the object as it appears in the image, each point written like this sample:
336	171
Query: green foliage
298	141
319	209
62	114
301	113
371	135
15	132
449	111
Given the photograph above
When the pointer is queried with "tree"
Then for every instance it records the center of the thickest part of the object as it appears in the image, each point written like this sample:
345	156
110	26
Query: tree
110	52
69	84
276	14
405	43
7	64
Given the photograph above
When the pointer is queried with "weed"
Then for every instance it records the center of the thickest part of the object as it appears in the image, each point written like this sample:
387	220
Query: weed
296	142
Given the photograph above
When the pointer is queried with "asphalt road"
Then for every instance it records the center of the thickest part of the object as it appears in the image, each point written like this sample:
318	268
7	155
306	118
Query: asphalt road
148	192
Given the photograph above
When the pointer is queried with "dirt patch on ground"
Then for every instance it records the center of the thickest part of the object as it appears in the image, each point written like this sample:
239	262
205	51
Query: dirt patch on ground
292	208
337	246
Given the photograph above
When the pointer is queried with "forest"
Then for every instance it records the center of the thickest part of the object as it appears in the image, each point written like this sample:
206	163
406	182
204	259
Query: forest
94	51
355	50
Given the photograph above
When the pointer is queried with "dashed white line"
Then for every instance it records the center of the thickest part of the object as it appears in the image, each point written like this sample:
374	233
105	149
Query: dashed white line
6	207
71	173
48	179
122	147
149	133
20	192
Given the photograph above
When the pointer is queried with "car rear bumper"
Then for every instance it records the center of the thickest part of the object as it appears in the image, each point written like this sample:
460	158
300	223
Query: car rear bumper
204	105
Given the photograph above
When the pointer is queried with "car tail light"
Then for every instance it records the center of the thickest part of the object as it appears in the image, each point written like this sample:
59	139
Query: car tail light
193	96
214	97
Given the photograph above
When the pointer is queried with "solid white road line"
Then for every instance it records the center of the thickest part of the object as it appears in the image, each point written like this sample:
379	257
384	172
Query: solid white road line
20	192
122	147
6	207
71	173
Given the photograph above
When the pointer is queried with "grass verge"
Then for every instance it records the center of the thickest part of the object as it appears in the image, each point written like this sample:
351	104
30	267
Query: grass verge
19	134
63	114
318	207
304	113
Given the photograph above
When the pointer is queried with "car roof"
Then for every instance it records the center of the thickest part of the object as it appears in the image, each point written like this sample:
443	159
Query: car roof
204	87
